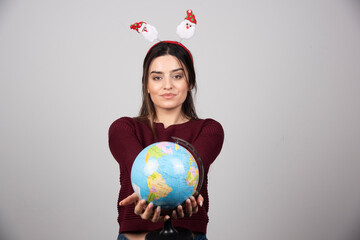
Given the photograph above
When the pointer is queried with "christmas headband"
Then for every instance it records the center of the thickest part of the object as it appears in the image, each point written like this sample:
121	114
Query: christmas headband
185	30
173	42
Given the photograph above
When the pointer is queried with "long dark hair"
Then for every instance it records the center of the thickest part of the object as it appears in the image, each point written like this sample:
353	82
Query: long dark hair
147	110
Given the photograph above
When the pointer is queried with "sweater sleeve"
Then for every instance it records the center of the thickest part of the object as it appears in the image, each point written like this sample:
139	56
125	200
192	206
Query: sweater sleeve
209	142
123	142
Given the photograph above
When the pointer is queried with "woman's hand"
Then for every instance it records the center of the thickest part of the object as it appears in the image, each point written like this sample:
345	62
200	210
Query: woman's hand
144	210
147	211
191	207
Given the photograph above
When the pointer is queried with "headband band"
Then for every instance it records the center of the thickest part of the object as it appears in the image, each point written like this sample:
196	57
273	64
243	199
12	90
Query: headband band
174	42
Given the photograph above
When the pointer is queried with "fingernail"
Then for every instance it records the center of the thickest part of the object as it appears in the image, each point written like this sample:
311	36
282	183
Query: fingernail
192	198
158	209
120	204
150	206
188	200
201	203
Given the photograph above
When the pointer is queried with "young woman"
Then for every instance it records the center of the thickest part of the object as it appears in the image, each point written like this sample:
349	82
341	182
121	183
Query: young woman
167	110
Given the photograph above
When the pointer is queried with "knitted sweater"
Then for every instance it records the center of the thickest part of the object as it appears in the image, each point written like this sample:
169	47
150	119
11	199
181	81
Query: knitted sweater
128	136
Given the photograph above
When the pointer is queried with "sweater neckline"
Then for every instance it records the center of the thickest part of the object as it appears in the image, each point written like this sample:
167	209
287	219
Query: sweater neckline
162	126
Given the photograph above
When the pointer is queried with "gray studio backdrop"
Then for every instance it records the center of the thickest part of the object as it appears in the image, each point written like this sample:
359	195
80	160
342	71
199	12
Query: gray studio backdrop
282	77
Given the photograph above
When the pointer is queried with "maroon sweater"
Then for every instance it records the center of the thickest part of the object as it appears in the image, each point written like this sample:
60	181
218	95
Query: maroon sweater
127	137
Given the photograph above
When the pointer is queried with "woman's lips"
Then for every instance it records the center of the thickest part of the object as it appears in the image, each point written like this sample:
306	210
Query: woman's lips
168	95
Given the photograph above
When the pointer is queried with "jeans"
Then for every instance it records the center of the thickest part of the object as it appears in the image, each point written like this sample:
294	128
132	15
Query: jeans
198	237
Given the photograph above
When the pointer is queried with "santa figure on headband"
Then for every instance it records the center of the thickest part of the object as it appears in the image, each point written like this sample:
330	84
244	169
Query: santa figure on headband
186	28
147	31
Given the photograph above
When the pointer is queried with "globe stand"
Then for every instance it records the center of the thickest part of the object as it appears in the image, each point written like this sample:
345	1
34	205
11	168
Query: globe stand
170	233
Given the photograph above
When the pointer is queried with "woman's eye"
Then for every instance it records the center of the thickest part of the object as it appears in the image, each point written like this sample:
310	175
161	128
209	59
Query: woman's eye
177	76
156	78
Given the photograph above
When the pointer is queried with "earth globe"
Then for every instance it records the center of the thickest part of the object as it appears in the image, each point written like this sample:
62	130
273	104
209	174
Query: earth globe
166	174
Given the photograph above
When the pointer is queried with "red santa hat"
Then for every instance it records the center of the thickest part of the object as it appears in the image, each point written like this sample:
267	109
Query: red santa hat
190	16
137	25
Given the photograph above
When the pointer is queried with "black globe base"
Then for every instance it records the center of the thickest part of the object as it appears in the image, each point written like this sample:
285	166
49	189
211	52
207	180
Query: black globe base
170	233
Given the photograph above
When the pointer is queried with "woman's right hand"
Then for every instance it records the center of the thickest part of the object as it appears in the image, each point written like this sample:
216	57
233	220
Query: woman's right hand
144	210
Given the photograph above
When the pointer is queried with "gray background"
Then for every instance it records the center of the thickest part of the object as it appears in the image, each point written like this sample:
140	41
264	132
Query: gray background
282	77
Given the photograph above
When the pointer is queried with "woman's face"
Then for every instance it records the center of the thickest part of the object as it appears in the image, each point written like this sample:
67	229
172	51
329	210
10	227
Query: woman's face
167	83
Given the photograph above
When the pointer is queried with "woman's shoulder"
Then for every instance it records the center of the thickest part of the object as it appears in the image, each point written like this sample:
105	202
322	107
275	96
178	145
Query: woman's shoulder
209	123
128	123
208	127
122	122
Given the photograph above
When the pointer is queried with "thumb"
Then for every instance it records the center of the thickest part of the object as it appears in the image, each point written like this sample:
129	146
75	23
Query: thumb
129	200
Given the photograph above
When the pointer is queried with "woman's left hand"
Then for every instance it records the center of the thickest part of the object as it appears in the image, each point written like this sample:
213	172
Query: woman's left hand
191	207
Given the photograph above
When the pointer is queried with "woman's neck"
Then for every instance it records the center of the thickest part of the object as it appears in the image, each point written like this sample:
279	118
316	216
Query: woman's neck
169	118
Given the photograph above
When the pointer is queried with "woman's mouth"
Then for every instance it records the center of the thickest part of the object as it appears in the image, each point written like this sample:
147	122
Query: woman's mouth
168	95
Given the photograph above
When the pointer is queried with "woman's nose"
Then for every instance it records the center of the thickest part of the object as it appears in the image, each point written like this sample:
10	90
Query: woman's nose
167	83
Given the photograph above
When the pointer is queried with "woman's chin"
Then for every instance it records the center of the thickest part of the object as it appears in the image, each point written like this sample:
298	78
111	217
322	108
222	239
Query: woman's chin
169	107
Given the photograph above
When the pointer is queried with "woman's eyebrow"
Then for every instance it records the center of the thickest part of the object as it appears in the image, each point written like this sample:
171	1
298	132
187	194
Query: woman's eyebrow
157	72
177	69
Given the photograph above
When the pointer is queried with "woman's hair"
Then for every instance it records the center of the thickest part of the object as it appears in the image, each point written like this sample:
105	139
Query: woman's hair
147	109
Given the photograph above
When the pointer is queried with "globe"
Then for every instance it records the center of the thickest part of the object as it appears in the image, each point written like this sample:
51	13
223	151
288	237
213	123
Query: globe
166	174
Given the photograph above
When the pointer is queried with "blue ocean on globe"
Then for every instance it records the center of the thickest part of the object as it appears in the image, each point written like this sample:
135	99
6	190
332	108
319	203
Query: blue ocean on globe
165	173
